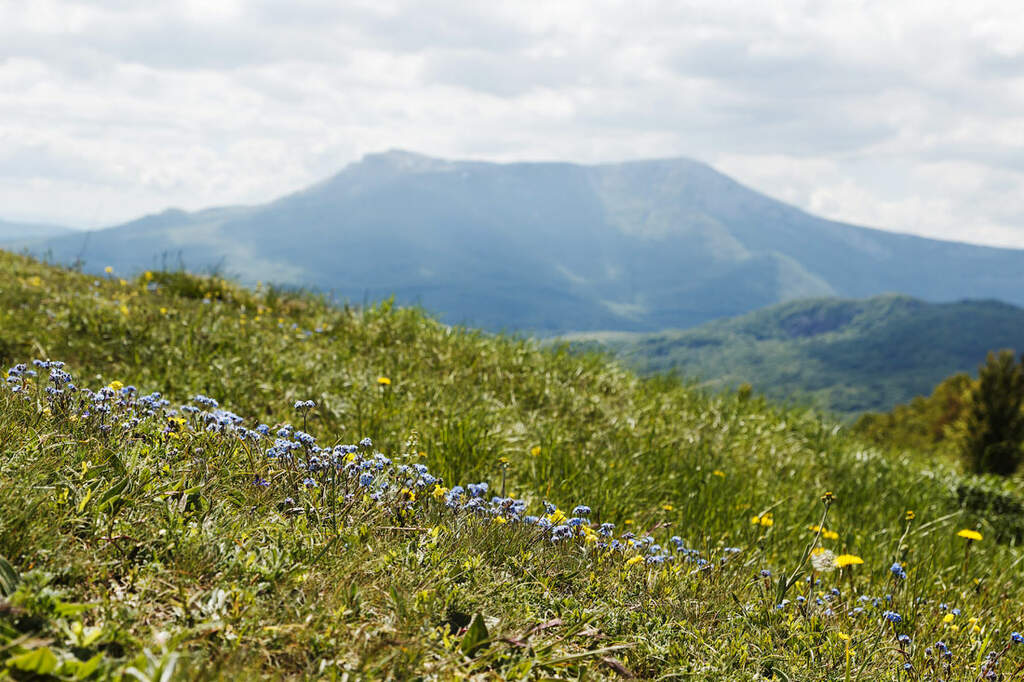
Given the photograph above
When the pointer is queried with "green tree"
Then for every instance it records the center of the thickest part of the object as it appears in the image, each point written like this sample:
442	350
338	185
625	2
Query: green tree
994	423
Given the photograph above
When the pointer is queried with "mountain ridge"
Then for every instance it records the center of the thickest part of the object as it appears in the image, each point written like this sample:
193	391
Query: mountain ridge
550	247
843	355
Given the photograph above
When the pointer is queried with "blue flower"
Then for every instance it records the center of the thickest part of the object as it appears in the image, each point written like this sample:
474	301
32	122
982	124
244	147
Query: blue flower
1017	638
897	571
892	616
765	573
366	443
581	510
903	639
365	480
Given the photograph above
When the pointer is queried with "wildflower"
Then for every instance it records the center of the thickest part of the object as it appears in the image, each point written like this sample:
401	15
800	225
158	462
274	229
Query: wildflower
1017	638
535	450
581	510
633	561
903	639
366	443
898	571
109	270
971	535
909	516
828	498
844	560
762	520
383	381
948	618
500	520
892	616
765	573
366	480
719	473
667	507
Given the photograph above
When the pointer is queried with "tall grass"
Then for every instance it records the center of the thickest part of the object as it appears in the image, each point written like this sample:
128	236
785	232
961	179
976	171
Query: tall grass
175	552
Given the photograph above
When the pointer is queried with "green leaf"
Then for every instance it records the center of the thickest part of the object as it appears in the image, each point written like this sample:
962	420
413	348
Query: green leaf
112	494
41	661
9	578
476	636
69	609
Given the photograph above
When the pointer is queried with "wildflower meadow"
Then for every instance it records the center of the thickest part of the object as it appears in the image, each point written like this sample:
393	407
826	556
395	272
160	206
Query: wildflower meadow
203	481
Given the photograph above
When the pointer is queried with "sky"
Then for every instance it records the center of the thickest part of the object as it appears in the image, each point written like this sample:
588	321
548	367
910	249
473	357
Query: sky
907	116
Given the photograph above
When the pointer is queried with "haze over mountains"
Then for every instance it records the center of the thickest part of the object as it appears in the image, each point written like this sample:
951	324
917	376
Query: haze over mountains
549	247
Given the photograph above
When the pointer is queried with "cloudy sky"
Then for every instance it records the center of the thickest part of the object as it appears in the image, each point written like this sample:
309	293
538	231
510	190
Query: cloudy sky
895	114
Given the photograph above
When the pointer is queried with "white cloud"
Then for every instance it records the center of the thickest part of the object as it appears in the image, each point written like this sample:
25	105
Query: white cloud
897	114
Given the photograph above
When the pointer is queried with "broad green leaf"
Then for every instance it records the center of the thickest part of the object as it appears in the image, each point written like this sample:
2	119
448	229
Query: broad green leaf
41	661
9	577
476	636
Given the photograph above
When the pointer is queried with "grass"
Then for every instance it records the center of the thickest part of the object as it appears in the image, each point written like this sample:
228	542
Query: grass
131	552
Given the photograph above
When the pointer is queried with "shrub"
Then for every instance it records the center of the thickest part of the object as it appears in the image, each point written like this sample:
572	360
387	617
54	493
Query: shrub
994	424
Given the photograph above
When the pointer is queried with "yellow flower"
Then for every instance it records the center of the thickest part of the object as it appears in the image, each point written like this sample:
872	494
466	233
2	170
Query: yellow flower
557	516
830	534
909	515
439	492
844	560
762	520
383	381
163	311
147	275
843	636
115	386
108	270
719	473
948	618
969	534
535	450
500	520
633	561
667	507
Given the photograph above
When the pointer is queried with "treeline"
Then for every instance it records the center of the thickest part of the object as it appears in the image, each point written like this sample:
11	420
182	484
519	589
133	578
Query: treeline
980	421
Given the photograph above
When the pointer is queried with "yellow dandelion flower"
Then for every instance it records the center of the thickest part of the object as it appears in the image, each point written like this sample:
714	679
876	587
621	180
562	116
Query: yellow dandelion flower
535	450
500	520
163	311
969	534
948	618
667	507
954	628
439	491
115	386
633	561
147	275
844	560
762	520
909	516
830	535
843	636
109	270
719	473
383	381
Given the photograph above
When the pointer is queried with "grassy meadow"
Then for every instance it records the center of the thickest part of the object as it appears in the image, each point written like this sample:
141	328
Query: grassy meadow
303	500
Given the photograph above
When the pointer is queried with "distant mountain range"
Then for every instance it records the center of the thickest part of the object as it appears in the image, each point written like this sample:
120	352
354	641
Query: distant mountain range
548	247
15	231
845	356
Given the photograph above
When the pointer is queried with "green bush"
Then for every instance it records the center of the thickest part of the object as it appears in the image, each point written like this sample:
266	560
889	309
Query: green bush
994	426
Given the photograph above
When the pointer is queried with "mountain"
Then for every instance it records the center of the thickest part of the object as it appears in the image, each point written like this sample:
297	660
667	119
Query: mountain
847	356
15	231
549	247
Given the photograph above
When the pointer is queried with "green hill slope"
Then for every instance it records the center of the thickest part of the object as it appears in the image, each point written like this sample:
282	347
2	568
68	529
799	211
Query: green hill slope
844	356
142	535
549	247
